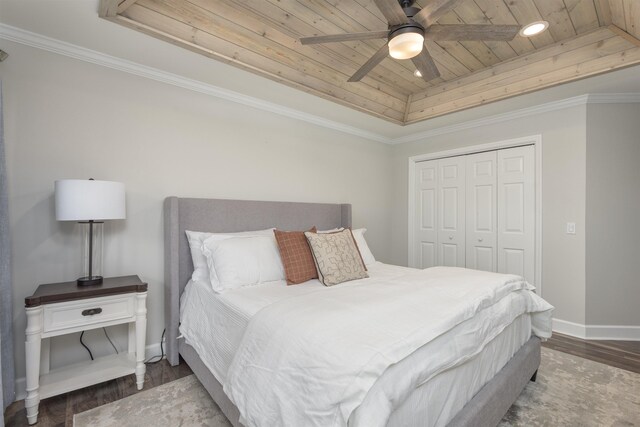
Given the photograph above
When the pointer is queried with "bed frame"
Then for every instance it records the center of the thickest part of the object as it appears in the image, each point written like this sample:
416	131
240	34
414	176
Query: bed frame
486	408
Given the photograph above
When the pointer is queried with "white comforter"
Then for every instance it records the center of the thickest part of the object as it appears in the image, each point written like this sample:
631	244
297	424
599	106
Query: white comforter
310	360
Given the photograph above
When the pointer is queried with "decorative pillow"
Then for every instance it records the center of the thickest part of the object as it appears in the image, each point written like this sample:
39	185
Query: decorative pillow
296	256
242	261
336	256
367	256
196	239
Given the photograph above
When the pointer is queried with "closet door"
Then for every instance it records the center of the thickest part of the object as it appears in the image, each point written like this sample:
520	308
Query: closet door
481	215
424	229
516	211
451	212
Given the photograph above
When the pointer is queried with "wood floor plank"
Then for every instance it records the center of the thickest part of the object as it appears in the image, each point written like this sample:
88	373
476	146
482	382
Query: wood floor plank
621	354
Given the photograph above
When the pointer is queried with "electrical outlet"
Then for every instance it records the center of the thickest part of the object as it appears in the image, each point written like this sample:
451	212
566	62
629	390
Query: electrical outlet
571	228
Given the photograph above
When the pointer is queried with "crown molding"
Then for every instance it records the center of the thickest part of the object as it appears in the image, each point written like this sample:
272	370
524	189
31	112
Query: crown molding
60	47
613	98
593	98
49	44
496	118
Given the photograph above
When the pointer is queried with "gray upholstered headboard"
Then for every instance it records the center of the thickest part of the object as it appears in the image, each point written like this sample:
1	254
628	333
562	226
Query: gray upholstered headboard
218	215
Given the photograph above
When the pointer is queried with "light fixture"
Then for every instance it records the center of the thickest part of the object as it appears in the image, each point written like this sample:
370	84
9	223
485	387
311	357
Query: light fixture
534	28
406	42
90	202
417	73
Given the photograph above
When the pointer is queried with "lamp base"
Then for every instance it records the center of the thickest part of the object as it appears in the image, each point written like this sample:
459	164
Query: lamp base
88	281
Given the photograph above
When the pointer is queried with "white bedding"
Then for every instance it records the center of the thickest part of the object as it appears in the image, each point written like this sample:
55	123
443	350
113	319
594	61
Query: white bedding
312	359
214	324
437	401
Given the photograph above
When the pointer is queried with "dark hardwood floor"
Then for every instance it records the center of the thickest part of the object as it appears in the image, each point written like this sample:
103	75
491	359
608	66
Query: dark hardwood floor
621	354
58	411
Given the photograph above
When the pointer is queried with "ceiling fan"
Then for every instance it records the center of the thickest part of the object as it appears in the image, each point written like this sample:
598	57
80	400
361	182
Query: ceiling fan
409	26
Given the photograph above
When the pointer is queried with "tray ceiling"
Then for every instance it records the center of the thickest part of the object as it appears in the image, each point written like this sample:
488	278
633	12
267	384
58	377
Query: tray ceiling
585	37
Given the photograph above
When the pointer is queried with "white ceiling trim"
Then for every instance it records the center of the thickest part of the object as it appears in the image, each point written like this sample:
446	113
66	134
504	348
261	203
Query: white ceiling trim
594	98
60	47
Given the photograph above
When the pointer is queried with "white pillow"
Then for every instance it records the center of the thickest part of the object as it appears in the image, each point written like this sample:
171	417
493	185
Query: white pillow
367	256
196	239
242	261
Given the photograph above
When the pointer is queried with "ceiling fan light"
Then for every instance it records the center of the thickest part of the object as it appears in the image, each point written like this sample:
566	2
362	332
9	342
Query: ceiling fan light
406	45
534	28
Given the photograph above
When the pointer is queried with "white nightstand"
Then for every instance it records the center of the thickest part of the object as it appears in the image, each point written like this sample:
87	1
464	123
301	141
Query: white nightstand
64	308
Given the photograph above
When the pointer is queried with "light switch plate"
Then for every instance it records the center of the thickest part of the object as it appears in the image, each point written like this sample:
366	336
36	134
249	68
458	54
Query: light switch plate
571	228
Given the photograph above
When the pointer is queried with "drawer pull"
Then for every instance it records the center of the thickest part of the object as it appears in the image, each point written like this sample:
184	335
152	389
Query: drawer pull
91	311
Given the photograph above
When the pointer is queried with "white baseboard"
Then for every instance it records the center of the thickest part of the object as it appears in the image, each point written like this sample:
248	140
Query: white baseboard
597	332
21	383
606	332
569	328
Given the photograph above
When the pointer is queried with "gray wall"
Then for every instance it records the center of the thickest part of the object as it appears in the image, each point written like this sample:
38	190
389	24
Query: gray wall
71	119
563	193
613	209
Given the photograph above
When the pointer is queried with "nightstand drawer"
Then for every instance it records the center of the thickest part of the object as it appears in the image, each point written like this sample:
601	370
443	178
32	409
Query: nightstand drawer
72	314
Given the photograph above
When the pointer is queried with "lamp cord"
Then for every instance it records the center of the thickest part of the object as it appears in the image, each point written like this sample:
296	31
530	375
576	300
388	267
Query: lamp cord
112	345
150	360
85	346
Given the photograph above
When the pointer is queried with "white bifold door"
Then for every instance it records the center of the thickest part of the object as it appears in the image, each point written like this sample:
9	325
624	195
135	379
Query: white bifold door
440	205
482	212
476	211
516	212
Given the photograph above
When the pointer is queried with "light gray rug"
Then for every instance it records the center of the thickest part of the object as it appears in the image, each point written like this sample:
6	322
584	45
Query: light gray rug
570	391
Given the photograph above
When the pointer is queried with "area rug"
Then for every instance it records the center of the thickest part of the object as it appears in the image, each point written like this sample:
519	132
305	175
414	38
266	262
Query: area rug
569	391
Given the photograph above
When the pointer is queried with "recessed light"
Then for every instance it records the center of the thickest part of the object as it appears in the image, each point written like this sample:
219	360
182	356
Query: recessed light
534	28
417	73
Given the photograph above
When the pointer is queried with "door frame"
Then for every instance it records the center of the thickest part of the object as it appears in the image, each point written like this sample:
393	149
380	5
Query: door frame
535	140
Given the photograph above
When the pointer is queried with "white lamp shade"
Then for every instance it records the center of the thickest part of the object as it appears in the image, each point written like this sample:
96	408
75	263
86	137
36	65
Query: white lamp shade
406	45
85	200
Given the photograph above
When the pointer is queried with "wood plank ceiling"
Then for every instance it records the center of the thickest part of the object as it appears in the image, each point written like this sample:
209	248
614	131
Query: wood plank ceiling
585	37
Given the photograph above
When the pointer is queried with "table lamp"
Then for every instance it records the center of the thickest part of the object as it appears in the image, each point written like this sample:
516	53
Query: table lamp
90	202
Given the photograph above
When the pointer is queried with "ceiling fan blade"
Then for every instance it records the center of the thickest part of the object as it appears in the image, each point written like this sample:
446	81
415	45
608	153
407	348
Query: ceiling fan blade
368	35
392	10
370	64
433	11
472	32
425	64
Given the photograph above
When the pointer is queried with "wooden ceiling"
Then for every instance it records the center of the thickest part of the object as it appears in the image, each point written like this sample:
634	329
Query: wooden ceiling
585	37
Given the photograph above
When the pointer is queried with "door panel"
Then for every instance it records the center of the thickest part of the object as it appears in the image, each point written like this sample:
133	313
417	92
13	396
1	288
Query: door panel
425	227
481	215
427	255
514	207
428	202
449	254
514	261
484	258
450	208
451	211
516	212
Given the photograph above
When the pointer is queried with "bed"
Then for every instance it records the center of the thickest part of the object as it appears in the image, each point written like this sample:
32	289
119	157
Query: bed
499	372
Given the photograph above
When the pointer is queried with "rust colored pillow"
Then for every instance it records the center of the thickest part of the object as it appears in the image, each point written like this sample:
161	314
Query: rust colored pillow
296	256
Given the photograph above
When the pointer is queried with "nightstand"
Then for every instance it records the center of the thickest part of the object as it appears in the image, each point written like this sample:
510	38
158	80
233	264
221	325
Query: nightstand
64	308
